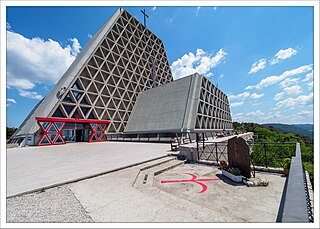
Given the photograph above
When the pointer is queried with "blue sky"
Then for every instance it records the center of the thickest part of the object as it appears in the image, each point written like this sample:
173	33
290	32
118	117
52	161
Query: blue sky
262	57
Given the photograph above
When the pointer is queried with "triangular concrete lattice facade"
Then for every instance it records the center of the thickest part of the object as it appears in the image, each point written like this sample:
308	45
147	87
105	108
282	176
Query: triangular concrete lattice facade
191	104
122	59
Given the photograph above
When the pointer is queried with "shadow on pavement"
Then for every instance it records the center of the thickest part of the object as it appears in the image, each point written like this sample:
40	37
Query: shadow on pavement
228	181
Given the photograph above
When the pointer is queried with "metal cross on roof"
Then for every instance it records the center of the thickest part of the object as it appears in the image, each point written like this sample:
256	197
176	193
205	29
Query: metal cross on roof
144	17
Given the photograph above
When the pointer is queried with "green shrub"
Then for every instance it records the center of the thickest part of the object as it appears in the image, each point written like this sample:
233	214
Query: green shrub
286	163
236	171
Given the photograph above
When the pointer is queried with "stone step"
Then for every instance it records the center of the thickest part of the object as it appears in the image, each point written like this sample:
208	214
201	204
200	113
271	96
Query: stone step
151	164
167	166
146	177
157	162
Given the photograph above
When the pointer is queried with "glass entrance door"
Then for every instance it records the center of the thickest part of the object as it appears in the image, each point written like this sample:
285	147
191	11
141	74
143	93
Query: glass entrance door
69	135
80	136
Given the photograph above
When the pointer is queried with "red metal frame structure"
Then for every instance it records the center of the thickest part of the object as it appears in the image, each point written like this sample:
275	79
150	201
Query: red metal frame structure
52	128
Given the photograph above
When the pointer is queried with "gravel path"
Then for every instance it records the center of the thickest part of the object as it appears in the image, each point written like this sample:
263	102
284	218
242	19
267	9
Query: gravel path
56	205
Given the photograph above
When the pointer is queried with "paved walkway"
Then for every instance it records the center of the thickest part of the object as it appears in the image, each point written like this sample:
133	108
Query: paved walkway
31	168
112	198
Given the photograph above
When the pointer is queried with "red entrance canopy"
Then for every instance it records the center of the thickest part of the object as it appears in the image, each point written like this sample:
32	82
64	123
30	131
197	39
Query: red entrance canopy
52	130
42	119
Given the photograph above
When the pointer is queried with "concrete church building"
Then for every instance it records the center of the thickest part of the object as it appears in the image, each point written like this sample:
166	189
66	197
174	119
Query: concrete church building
121	87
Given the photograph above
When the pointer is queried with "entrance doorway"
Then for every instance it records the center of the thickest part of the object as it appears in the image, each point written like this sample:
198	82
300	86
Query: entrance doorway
56	131
80	136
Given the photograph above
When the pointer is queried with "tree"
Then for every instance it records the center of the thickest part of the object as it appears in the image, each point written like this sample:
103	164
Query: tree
10	131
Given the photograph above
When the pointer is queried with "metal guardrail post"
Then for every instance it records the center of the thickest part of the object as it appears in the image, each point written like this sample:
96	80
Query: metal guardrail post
197	141
265	154
216	145
203	141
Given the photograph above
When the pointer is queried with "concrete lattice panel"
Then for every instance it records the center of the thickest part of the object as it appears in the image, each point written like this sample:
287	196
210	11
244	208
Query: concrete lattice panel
122	59
213	108
189	104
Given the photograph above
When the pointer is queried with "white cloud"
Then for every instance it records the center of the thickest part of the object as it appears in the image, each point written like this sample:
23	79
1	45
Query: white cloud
154	8
305	113
8	26
294	102
310	85
270	80
10	101
19	83
254	116
36	61
308	77
288	91
289	81
283	54
215	8
75	50
209	74
240	96
30	95
255	113
200	62
274	116
89	36
256	96
297	71
221	76
257	66
236	104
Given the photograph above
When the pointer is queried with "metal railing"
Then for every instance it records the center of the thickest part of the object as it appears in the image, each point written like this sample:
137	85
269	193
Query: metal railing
295	201
271	153
213	151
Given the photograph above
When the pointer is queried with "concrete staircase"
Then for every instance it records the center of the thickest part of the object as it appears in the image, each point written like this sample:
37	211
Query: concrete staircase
145	175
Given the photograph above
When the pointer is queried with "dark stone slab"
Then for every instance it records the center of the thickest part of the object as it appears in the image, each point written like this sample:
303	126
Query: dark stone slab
238	155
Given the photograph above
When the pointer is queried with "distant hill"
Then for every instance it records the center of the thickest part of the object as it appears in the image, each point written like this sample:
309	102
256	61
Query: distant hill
300	129
308	127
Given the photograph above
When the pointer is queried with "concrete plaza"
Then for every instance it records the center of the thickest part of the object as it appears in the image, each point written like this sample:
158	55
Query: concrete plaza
127	195
32	168
114	198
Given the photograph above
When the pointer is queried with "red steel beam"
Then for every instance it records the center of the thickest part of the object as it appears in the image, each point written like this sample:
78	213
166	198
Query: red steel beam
42	119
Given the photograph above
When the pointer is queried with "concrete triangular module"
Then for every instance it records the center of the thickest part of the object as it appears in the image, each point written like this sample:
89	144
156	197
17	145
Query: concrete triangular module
122	59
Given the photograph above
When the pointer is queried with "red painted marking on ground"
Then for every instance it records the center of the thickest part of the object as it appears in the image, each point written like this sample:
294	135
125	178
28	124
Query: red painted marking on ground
193	180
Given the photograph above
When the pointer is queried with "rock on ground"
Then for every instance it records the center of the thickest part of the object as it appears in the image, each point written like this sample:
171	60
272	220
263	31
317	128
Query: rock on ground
56	205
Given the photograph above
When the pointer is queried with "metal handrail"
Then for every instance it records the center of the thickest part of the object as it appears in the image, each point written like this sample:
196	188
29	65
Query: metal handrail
295	209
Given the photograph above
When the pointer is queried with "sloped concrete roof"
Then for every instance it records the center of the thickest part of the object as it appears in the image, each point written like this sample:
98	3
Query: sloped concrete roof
168	108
